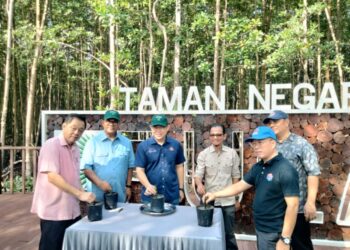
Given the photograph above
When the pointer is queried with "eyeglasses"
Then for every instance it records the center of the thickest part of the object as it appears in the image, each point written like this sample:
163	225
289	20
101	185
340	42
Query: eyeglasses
216	135
257	143
112	121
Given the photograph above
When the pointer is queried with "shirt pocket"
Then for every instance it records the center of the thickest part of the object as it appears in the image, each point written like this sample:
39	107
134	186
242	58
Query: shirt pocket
101	158
211	170
227	169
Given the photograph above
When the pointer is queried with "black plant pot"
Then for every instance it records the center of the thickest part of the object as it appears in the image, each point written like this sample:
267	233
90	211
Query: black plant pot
157	203
205	215
110	200
95	211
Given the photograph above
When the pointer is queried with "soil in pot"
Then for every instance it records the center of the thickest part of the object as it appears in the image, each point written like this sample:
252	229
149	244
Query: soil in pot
110	200
95	211
205	215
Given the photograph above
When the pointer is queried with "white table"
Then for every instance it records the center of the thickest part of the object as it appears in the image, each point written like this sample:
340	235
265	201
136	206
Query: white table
132	230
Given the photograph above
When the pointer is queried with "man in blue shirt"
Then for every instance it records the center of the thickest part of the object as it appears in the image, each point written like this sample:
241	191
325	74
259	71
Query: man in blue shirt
108	160
276	200
159	164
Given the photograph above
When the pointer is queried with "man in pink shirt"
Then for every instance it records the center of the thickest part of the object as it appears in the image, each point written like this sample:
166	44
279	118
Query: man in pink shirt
58	189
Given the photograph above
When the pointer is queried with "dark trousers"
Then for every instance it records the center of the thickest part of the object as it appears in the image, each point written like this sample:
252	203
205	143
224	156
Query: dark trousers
266	241
301	237
52	233
228	213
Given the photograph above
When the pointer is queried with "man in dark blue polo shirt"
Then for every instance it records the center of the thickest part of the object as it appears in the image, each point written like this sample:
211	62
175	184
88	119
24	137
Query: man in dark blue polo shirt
159	164
275	205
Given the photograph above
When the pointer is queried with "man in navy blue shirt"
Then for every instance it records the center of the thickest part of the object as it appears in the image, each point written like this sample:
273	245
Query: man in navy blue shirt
159	164
276	200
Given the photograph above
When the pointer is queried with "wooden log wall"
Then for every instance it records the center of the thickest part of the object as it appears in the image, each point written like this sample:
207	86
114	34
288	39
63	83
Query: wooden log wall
328	133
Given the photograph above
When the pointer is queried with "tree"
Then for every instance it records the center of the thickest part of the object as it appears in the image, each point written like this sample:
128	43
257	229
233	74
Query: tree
40	21
7	72
177	43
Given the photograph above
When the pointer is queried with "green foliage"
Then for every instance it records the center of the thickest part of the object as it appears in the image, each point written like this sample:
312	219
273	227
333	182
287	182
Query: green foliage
73	67
17	184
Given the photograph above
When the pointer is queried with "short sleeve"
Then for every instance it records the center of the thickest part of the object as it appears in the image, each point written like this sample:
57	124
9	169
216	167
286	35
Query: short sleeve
236	173
249	177
200	169
49	157
140	159
87	159
180	158
289	181
310	160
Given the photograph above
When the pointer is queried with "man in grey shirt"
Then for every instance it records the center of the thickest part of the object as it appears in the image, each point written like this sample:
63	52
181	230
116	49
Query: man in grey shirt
219	166
304	158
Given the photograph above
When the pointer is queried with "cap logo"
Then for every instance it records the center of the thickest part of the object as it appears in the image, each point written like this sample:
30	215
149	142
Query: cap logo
256	131
272	113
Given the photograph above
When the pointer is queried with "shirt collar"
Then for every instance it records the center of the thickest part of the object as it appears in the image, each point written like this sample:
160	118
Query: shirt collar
272	161
153	140
105	137
64	143
212	148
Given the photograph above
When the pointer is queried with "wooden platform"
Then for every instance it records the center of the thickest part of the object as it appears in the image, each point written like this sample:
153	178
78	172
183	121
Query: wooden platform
19	229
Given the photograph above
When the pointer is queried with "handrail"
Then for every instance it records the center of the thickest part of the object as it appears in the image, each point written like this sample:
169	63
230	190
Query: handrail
10	154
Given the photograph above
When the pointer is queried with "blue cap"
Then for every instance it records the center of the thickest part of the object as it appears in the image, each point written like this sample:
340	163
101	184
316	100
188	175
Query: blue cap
261	133
275	115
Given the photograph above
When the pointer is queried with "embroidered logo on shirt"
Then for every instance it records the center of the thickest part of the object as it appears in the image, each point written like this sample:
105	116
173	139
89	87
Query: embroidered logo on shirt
269	177
171	148
152	150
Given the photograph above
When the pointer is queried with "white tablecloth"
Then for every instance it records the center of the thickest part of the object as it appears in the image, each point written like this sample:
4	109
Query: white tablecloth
132	230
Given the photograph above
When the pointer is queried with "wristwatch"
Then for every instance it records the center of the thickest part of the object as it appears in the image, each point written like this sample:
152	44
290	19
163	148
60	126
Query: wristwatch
285	240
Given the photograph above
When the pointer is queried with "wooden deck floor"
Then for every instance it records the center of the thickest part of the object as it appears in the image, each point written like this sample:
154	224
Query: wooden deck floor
19	229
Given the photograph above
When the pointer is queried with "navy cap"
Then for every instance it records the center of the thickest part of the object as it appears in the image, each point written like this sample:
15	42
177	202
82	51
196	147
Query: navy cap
261	133
275	115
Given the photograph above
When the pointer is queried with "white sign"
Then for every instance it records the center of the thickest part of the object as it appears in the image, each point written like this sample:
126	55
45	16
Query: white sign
274	97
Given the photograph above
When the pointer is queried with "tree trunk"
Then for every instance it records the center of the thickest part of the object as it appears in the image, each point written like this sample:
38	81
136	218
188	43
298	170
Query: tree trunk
305	29
165	40
117	76
223	50
112	58
319	65
216	47
32	81
150	56
100	73
177	43
7	73
339	60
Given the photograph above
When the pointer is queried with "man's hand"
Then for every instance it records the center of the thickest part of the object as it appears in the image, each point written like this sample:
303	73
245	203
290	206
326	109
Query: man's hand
128	194
200	189
310	211
208	197
182	195
281	246
87	196
104	186
237	206
151	190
